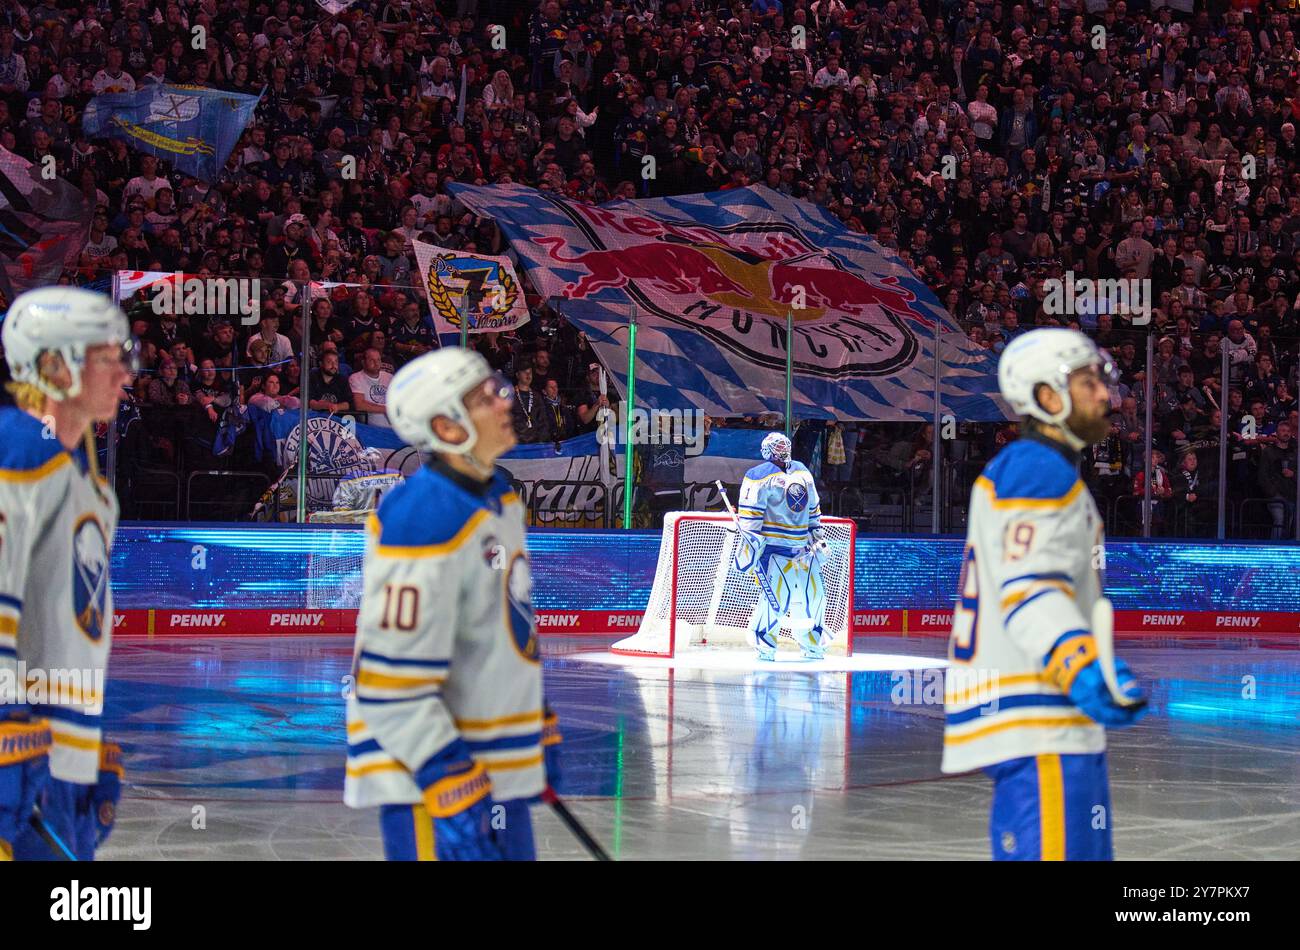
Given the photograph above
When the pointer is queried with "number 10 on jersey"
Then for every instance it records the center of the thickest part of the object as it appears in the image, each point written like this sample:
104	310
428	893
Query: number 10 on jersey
401	607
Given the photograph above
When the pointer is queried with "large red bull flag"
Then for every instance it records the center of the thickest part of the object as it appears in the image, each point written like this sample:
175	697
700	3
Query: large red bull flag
712	278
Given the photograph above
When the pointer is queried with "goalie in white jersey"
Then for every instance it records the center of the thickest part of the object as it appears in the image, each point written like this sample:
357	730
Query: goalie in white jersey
70	353
1025	698
782	539
447	730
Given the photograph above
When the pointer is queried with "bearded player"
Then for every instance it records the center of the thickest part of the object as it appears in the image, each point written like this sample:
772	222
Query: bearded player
1026	700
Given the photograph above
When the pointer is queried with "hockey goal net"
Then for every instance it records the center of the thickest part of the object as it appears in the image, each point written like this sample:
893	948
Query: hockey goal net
699	599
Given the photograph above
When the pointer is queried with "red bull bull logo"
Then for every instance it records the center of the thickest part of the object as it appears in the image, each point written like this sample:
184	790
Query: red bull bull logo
736	285
670	268
768	279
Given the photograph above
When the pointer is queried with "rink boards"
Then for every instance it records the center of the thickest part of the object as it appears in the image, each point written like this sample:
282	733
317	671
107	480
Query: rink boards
228	580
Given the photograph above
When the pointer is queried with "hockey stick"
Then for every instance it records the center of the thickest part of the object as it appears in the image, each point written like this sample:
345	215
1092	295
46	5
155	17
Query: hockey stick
581	833
1103	634
60	850
762	578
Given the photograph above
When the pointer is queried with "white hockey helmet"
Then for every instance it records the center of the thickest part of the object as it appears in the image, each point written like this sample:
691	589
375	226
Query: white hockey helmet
1048	356
433	385
64	320
775	448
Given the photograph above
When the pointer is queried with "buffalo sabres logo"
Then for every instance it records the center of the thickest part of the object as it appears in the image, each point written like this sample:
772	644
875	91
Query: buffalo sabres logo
90	576
796	496
519	607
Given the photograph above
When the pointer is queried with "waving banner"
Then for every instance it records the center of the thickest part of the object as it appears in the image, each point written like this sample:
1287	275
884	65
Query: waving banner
43	225
712	278
193	127
487	284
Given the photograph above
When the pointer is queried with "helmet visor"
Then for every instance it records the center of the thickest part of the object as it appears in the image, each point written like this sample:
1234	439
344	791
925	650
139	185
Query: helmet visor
130	355
1107	368
495	386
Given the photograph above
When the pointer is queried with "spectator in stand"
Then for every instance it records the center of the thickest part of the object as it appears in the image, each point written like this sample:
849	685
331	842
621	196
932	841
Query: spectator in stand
1194	497
369	387
329	390
269	398
589	403
541	367
958	130
531	420
167	389
278	346
1161	490
1241	349
411	336
559	412
1277	464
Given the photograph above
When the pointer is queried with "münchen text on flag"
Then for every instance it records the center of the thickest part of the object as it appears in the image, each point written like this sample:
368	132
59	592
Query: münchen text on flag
193	127
487	285
712	278
44	224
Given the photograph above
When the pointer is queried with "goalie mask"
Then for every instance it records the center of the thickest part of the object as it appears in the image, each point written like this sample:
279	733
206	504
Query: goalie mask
436	384
776	448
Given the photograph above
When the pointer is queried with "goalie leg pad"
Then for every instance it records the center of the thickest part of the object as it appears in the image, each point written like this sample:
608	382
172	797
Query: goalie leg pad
780	571
1044	808
816	600
808	609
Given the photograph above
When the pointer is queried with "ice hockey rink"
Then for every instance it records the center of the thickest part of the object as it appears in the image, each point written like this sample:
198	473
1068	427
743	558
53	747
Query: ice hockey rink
235	750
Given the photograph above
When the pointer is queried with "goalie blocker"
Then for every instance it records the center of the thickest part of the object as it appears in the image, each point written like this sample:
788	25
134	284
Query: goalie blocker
700	600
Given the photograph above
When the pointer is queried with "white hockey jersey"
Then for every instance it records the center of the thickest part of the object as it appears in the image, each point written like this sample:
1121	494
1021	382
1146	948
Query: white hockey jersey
446	641
57	522
1029	576
779	504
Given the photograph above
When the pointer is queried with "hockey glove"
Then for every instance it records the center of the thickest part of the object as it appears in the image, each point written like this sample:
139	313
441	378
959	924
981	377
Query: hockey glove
551	740
818	549
1074	667
107	791
458	796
